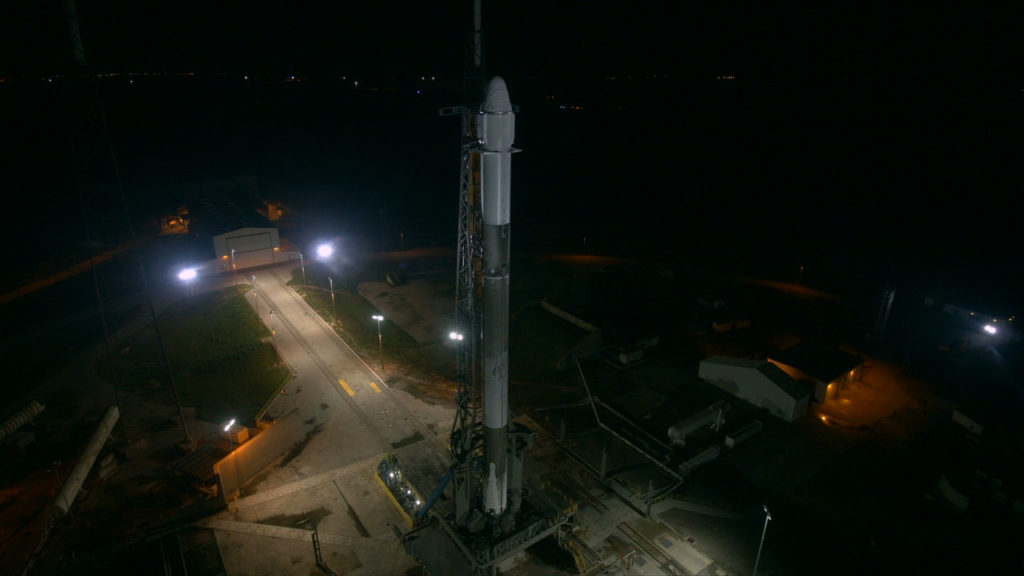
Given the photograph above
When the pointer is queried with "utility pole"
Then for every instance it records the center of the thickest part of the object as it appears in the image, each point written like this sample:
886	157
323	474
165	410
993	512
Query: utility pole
106	217
334	309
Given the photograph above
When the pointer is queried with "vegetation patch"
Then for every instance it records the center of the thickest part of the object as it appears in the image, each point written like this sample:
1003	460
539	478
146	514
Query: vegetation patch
222	361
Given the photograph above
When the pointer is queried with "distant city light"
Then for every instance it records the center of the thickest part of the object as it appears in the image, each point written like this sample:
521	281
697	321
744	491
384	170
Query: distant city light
990	329
187	274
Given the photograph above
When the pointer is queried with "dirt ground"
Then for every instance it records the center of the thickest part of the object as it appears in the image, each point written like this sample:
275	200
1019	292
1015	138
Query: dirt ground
422	307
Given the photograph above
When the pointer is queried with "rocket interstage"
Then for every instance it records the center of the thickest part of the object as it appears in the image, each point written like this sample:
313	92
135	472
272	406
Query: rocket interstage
496	131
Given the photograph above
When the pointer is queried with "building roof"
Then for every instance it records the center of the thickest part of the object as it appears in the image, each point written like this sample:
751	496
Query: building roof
217	215
784	381
220	205
822	362
734	361
767	369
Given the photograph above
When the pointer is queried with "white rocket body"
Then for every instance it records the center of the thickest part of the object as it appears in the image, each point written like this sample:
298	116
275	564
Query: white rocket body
496	130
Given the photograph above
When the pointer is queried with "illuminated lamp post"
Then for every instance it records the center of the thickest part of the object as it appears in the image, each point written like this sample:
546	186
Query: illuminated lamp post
234	458
256	301
767	517
380	340
188	276
334	310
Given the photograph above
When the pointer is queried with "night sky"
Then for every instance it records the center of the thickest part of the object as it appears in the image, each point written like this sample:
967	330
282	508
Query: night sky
876	142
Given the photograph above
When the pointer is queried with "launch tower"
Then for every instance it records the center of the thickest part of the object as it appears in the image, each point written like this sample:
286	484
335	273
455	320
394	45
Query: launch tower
491	516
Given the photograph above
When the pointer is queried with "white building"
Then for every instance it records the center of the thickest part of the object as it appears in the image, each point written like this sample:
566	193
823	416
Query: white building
247	248
761	383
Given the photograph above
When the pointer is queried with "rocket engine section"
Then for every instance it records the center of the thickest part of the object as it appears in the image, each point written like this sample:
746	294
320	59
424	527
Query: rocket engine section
496	131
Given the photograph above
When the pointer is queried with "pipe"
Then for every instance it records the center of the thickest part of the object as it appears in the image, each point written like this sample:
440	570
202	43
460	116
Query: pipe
20	418
81	471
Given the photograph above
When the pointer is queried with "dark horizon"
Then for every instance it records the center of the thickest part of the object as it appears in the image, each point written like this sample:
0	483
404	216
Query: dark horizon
870	149
705	170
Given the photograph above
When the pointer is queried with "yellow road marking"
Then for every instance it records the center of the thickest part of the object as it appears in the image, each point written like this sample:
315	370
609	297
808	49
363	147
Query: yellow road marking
346	387
375	387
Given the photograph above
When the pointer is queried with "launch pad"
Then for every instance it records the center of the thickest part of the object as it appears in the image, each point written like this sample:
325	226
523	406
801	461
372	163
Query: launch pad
490	515
443	547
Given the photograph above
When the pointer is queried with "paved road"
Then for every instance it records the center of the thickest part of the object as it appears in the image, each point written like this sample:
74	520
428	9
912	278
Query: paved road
346	410
336	416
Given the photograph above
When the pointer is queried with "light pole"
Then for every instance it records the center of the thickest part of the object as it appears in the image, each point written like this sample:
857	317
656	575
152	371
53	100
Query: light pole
234	457
456	340
334	310
188	276
380	340
767	517
256	301
227	428
234	271
273	332
302	264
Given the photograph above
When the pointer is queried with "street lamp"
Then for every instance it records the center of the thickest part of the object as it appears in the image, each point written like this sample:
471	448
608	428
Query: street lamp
273	332
324	251
380	341
256	301
455	336
234	271
767	517
334	310
188	276
234	458
302	264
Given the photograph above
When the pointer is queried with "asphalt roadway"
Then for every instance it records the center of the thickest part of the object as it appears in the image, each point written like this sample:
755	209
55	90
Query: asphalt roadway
313	467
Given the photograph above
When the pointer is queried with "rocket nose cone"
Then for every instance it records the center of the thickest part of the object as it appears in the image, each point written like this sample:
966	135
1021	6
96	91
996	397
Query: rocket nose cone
496	100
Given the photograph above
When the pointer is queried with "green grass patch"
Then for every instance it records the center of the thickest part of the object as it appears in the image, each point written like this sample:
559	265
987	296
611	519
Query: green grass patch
216	345
352	318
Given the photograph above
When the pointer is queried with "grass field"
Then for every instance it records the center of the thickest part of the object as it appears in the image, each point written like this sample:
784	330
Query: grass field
220	354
